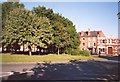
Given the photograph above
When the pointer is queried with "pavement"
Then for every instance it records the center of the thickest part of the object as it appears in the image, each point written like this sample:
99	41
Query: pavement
73	70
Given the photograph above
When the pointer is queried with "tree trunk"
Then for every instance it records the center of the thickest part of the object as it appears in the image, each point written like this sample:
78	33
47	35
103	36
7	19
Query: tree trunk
30	50
30	53
58	51
23	47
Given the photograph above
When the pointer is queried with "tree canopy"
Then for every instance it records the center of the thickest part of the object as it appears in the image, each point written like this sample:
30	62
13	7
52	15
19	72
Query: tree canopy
7	7
64	32
41	27
25	27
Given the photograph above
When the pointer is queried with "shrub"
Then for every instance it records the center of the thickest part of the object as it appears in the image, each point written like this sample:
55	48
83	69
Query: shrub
68	51
84	53
72	51
77	52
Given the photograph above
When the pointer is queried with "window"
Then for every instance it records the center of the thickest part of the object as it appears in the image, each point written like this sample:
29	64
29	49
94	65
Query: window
83	38
88	44
110	40
116	41
107	41
103	41
102	50
83	44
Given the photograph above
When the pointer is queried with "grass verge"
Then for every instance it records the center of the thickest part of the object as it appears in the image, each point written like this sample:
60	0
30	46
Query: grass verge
7	57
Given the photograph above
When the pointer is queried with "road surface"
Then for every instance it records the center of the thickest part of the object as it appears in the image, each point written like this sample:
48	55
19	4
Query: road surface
74	70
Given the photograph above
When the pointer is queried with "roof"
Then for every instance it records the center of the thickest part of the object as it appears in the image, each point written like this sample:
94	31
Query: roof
89	33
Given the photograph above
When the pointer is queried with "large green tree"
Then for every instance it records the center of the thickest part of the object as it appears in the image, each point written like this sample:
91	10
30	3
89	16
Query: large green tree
41	27
26	28
7	7
64	32
61	36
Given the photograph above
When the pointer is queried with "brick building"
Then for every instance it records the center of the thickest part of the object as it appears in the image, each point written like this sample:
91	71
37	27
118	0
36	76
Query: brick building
108	45
95	41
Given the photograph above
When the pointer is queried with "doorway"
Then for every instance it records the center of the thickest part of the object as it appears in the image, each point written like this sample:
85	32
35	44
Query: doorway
110	50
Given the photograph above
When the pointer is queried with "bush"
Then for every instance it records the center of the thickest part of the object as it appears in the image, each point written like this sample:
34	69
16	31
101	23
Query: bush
84	53
77	52
72	51
68	51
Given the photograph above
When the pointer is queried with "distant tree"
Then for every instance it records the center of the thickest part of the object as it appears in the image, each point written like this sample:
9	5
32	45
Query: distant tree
26	28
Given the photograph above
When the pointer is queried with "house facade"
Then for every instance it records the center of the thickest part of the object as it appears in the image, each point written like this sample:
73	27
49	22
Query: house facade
97	43
108	45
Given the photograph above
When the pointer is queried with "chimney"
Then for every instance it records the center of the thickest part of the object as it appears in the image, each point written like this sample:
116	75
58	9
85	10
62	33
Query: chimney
88	31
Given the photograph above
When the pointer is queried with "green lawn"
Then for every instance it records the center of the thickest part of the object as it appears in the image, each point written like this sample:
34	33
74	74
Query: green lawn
40	58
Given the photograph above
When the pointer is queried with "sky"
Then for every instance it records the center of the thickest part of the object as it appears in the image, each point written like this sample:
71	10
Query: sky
63	0
100	16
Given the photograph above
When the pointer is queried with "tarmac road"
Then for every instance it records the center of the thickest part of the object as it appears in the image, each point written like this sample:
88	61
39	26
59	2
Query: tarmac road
18	67
74	70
